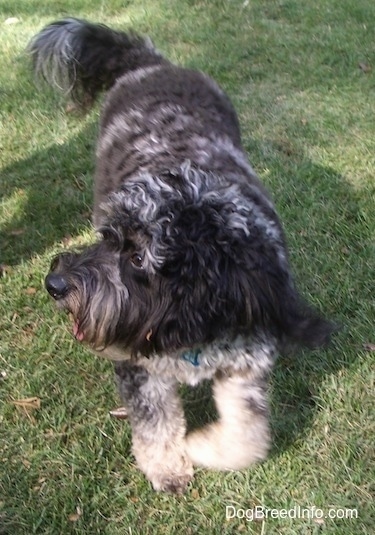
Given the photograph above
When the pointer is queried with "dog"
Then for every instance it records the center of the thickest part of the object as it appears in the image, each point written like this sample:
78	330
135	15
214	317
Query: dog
189	279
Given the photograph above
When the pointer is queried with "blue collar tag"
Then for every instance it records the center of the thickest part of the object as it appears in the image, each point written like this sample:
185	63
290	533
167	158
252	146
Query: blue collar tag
192	356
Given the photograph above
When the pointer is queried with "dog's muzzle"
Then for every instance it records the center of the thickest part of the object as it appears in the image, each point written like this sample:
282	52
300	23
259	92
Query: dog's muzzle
56	286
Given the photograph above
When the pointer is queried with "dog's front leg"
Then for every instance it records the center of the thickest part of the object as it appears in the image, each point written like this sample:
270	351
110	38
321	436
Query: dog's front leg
158	426
240	437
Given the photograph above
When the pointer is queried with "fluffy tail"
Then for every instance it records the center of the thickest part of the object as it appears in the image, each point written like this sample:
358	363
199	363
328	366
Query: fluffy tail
82	59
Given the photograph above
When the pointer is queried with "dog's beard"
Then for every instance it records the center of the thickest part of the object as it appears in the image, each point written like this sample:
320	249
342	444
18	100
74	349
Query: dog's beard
96	312
94	296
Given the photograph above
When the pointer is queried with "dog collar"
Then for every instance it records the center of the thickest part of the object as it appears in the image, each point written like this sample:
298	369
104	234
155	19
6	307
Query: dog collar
192	356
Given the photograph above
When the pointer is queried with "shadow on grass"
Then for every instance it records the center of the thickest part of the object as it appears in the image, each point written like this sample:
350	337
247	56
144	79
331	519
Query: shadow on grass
50	195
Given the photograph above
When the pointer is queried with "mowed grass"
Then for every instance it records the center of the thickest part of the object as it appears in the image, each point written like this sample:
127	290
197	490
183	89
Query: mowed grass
302	76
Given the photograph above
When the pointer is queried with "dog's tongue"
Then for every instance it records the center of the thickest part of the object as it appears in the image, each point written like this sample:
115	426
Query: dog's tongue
78	335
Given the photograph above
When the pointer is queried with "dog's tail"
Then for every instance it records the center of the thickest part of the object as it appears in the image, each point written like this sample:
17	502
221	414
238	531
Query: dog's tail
82	59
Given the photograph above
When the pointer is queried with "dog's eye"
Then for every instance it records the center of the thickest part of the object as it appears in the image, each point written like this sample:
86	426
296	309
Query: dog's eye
137	260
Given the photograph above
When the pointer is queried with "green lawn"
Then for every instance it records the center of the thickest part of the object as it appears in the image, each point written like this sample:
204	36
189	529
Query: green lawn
302	76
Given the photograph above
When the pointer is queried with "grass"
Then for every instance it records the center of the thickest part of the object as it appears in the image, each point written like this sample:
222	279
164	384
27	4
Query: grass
302	76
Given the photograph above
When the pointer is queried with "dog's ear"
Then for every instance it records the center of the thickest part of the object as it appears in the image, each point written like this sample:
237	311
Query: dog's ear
277	308
225	278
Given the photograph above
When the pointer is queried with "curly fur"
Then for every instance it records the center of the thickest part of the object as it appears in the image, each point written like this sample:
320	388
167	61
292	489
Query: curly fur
192	255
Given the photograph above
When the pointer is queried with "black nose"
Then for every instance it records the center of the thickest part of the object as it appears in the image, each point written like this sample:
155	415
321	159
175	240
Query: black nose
56	285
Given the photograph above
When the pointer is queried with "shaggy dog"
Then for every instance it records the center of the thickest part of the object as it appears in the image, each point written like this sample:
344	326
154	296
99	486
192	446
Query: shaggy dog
190	277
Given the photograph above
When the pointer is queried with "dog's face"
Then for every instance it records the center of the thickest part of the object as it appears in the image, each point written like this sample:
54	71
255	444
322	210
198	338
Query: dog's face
182	260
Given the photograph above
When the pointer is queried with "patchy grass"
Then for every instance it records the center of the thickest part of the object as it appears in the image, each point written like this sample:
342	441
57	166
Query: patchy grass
301	75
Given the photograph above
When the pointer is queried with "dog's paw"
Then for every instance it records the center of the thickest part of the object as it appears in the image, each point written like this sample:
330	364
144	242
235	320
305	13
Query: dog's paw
173	483
221	447
167	467
173	475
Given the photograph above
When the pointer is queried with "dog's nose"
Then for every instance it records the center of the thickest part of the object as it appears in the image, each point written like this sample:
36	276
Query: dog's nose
56	286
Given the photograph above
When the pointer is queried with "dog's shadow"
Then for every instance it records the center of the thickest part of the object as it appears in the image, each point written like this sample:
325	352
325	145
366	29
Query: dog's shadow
54	190
294	394
198	405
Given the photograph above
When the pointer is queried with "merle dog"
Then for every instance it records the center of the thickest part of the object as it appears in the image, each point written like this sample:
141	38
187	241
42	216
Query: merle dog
190	278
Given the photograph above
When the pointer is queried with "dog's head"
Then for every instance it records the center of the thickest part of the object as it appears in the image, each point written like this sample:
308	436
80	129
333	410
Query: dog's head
184	258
